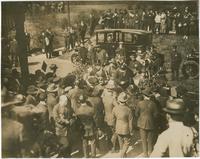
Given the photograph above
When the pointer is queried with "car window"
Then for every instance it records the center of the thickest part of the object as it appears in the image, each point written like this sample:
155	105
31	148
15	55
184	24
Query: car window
110	37
118	36
100	37
128	37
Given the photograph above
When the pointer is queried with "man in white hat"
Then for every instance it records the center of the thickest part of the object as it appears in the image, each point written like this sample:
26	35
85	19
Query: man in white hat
177	140
123	119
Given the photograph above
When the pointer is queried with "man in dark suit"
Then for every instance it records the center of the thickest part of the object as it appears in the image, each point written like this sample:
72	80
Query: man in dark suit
176	60
82	31
146	111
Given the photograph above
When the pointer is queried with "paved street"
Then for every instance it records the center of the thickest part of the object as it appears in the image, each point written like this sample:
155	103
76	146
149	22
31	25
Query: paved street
64	66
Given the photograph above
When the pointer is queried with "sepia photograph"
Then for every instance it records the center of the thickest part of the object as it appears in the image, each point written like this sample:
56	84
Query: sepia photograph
99	79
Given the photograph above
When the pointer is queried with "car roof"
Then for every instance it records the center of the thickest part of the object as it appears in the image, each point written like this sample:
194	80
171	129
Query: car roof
135	31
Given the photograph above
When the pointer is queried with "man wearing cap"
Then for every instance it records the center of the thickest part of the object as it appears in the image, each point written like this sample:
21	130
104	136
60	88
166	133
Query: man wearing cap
176	60
177	140
86	113
62	114
146	112
123	123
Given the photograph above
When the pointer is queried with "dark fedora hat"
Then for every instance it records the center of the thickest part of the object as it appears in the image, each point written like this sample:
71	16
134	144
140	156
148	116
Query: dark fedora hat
175	106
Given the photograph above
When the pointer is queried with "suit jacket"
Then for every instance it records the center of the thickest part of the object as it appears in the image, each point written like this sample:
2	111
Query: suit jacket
123	118
12	137
147	112
97	103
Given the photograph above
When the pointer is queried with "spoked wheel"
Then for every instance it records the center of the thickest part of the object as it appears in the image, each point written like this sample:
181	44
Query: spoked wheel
190	69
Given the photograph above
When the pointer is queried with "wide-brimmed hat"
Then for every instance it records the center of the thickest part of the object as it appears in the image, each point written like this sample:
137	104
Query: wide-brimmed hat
122	97
53	66
175	106
52	88
32	90
17	99
111	84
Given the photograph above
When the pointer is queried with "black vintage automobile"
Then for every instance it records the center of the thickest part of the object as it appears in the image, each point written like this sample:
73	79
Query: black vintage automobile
109	40
131	38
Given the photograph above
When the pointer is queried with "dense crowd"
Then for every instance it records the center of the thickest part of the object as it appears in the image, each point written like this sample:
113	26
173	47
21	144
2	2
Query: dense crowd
176	20
109	101
103	107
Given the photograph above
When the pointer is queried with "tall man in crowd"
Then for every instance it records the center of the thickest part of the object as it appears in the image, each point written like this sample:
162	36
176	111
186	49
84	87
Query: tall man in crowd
147	112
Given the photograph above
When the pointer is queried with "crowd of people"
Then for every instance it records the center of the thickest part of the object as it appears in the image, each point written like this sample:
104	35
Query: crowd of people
174	20
106	104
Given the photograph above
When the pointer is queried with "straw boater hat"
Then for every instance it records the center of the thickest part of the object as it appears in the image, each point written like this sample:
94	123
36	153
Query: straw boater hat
175	106
122	98
52	88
